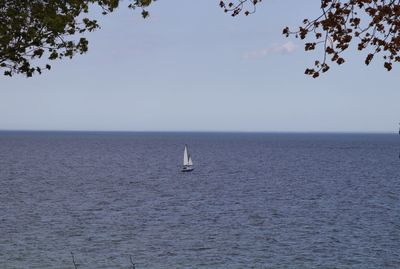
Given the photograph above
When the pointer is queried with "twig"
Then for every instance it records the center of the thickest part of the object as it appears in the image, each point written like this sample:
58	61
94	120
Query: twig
133	265
73	260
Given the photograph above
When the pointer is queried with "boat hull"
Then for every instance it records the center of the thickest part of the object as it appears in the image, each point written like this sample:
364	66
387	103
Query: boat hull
187	169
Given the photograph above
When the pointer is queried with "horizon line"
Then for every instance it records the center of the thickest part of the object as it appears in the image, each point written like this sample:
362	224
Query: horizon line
191	131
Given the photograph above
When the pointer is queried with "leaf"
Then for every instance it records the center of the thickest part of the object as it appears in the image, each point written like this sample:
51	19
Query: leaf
388	66
53	55
369	58
326	68
145	14
340	61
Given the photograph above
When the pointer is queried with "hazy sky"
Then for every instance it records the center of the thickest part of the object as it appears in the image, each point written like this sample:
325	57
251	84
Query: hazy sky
190	67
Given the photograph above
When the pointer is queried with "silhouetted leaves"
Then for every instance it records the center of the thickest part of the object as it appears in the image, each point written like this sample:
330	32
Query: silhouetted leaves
35	29
236	7
32	29
374	24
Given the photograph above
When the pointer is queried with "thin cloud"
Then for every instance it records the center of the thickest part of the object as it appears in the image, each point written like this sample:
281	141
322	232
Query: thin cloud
285	48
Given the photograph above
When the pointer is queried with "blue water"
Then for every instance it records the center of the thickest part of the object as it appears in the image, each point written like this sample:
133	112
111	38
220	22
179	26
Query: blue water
253	200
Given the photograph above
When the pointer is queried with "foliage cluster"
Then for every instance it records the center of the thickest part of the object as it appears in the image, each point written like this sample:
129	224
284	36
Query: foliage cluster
374	25
32	29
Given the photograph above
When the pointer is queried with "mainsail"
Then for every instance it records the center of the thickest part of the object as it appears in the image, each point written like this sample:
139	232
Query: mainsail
186	158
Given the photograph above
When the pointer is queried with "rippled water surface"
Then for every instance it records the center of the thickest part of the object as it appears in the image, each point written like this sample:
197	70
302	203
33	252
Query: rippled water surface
253	201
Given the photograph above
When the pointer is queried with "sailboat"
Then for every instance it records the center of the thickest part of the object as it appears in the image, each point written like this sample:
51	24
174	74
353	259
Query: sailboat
187	161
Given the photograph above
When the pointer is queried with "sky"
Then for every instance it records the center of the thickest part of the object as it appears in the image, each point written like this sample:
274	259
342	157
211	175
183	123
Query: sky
191	67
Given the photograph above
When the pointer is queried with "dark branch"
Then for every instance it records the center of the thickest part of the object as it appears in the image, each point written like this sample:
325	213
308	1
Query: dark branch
133	265
73	260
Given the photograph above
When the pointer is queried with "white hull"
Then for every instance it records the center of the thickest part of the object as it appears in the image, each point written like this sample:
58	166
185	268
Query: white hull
187	168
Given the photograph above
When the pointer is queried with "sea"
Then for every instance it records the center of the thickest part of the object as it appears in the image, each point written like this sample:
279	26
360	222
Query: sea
254	200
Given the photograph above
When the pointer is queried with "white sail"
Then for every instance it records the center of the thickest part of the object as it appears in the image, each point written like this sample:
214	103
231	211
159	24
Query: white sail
187	161
185	156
